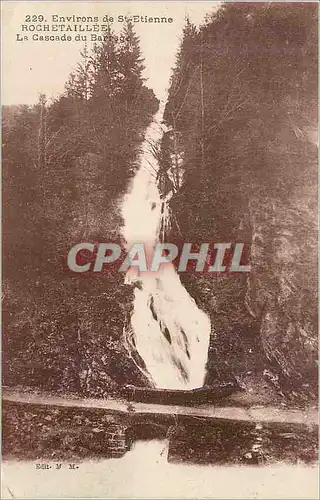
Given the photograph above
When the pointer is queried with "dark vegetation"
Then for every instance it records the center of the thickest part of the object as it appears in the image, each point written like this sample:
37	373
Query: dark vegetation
240	157
243	443
59	434
65	167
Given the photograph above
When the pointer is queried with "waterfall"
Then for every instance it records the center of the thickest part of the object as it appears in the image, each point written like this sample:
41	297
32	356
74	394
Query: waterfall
169	332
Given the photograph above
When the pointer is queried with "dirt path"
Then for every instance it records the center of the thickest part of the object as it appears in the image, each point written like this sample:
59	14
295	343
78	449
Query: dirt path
262	414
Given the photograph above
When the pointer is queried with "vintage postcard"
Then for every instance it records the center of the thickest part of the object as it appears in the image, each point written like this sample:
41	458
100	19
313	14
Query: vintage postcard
160	313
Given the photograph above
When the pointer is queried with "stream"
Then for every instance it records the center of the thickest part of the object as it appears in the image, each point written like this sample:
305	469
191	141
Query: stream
168	331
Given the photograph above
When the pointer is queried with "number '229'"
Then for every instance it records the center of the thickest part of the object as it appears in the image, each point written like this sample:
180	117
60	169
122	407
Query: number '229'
34	19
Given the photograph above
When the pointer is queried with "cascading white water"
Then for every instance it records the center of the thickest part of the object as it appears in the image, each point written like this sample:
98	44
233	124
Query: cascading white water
171	334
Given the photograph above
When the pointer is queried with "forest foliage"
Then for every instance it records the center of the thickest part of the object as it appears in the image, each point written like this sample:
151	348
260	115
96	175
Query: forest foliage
242	134
66	164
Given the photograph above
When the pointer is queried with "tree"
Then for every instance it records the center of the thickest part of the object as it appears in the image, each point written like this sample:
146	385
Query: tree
42	135
130	64
105	64
79	85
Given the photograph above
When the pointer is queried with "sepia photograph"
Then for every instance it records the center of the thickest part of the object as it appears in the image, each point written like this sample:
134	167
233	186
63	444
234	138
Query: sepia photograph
160	250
